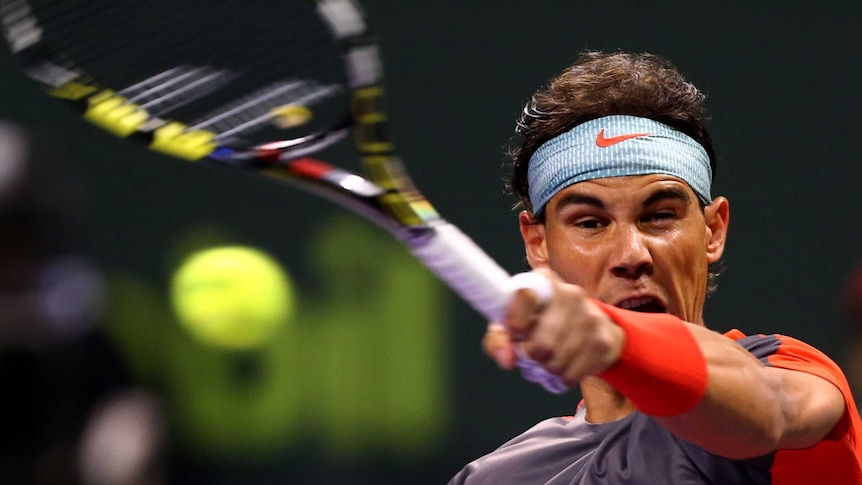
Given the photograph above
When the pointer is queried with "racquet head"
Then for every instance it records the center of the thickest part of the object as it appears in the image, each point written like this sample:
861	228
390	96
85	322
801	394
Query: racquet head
250	84
256	85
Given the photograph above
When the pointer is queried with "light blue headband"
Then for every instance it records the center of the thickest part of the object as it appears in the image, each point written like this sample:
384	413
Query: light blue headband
616	146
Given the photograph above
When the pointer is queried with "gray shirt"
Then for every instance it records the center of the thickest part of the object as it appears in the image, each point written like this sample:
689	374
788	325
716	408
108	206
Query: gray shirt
633	450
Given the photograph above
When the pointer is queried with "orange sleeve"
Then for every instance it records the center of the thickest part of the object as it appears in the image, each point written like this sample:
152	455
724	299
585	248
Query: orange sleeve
835	459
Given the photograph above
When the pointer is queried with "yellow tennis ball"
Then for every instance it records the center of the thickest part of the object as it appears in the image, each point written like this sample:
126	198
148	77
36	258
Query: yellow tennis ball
232	297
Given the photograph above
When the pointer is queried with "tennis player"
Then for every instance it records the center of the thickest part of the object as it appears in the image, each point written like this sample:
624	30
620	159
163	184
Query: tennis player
614	171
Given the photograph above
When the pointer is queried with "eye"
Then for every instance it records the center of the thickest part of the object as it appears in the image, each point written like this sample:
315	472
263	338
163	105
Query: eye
588	223
660	216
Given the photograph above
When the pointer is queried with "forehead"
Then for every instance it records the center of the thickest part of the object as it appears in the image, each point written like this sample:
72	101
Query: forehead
632	189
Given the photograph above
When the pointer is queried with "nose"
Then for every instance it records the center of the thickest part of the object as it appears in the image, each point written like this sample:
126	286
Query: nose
631	257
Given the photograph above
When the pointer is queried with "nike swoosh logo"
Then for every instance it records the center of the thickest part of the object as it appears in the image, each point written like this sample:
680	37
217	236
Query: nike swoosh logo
606	142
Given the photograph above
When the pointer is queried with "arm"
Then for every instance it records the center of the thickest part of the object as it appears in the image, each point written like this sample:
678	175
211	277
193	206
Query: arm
750	409
746	410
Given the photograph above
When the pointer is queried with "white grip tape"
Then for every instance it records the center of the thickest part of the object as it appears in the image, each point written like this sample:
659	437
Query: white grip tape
538	283
468	270
482	283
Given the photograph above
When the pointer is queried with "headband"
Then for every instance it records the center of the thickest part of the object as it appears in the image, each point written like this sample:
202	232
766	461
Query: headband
616	146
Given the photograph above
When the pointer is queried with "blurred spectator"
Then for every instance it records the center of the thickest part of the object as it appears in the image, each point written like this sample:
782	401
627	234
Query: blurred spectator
59	373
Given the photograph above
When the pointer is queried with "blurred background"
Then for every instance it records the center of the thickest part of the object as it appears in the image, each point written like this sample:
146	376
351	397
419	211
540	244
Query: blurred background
370	371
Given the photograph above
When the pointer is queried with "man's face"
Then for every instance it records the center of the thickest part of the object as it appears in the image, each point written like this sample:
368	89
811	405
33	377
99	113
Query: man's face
639	242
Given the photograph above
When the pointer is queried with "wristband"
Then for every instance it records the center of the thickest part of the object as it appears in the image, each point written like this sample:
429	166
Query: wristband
662	370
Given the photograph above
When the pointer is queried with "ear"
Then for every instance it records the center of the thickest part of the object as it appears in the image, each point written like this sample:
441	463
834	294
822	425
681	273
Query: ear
533	233
717	216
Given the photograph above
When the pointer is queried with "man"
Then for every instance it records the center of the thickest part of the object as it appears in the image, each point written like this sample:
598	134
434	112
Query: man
614	173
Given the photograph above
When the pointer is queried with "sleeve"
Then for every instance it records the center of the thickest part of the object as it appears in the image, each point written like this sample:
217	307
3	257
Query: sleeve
786	352
836	459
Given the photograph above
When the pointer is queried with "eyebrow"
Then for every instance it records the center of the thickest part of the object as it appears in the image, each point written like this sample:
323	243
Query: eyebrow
667	194
580	199
657	196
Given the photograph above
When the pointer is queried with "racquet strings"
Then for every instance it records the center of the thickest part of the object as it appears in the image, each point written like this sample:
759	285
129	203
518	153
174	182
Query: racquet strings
253	72
234	67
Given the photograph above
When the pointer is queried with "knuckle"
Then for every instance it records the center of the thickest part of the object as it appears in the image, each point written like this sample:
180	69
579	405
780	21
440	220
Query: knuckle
554	366
538	352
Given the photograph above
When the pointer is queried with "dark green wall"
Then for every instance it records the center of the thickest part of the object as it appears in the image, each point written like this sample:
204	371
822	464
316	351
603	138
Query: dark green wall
783	89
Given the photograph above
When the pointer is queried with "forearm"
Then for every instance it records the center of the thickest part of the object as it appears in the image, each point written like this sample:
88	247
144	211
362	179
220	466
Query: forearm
744	411
744	408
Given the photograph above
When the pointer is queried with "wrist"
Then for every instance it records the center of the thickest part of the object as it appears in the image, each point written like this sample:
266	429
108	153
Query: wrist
660	368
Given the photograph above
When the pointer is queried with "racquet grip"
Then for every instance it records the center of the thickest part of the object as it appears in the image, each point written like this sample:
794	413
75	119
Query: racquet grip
530	369
481	282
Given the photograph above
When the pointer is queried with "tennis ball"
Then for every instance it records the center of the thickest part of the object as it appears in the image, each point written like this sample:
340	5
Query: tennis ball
232	297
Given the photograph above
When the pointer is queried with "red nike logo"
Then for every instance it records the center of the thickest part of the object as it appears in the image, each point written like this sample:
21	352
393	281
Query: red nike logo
606	142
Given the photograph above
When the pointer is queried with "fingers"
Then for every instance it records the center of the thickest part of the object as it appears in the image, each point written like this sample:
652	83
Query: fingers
522	313
553	327
497	344
588	344
567	335
562	331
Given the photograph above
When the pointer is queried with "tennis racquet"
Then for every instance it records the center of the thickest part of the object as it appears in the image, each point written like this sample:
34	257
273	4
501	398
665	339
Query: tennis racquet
254	85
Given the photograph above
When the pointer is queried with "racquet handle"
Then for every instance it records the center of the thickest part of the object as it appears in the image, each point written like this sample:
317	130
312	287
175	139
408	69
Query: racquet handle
530	369
482	283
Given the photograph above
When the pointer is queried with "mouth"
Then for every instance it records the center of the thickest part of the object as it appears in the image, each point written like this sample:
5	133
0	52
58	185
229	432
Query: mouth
644	304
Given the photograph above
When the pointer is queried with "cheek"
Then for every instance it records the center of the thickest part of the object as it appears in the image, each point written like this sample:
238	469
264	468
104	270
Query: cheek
686	257
577	263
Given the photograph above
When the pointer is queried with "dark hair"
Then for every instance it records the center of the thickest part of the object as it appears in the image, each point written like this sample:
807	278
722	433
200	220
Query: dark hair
601	84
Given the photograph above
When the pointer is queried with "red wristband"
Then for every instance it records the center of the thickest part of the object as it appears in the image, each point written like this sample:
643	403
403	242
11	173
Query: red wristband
662	370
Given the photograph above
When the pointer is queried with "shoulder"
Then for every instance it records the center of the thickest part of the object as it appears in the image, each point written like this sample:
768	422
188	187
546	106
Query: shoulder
786	352
841	450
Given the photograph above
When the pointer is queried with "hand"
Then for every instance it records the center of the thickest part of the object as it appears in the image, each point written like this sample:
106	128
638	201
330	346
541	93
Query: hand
568	334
